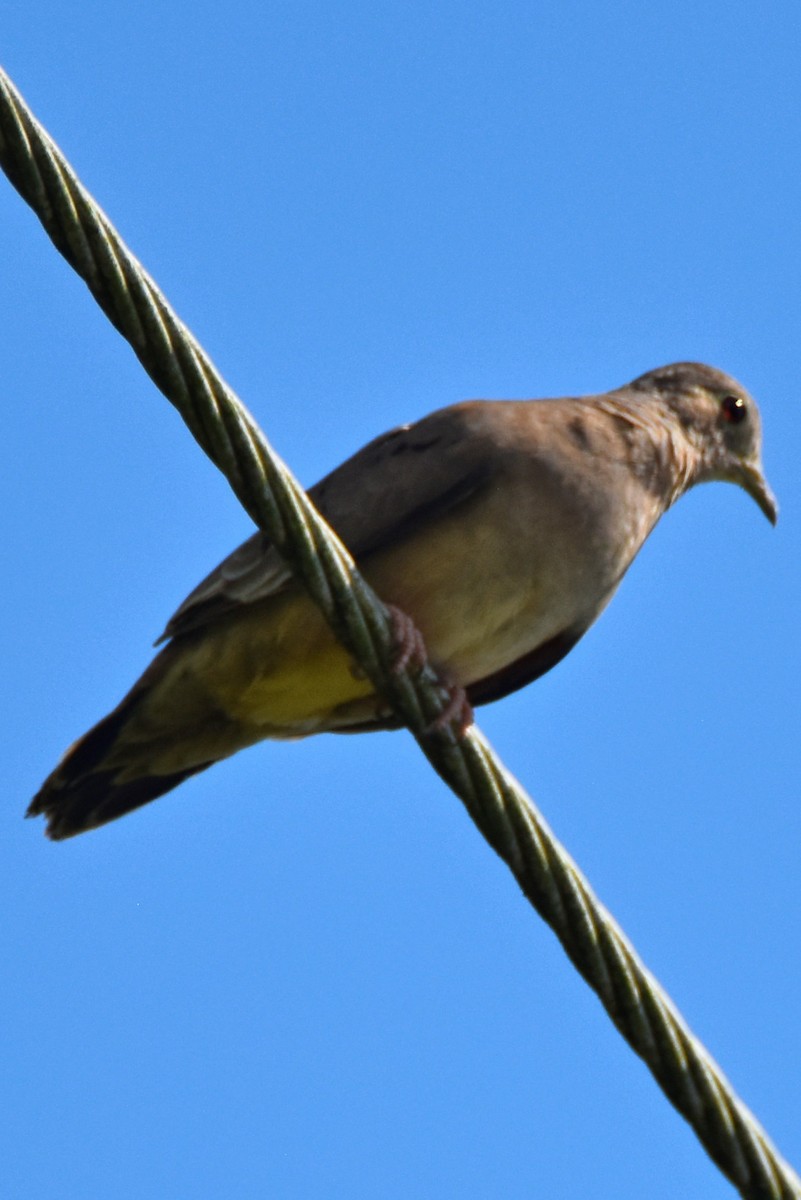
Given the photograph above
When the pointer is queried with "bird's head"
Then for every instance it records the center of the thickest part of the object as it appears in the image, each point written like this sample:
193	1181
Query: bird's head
720	421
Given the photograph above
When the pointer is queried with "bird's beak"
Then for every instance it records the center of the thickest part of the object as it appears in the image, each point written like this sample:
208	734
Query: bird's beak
755	483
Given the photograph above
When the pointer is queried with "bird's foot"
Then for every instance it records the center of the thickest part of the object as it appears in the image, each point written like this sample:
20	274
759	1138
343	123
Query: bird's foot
410	650
410	647
458	712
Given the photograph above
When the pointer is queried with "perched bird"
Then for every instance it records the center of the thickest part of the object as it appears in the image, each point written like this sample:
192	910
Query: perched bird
501	527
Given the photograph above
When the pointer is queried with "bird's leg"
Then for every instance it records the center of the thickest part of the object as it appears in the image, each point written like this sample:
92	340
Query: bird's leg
410	650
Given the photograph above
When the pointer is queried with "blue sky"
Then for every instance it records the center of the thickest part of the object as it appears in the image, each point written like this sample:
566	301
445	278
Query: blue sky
304	974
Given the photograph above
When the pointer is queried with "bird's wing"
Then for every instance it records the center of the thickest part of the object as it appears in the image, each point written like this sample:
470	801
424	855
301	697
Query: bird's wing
384	493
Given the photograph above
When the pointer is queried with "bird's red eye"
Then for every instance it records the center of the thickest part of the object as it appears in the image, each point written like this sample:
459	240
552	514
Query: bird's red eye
734	409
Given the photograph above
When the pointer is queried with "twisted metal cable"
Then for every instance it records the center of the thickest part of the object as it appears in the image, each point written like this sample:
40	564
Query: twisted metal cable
499	807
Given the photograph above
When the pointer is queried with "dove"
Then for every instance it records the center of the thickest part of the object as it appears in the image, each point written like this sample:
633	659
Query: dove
499	528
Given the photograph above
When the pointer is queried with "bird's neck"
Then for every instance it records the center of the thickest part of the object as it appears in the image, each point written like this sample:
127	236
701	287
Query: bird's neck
656	447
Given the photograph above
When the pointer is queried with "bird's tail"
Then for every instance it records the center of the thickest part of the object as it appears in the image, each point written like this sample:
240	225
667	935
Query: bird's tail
84	791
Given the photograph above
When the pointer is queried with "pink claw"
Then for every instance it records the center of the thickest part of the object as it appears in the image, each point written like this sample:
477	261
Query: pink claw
409	644
458	711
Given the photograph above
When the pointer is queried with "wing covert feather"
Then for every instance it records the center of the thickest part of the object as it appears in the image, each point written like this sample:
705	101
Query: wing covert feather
382	494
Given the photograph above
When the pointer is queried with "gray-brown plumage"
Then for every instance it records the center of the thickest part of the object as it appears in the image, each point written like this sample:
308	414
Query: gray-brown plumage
502	527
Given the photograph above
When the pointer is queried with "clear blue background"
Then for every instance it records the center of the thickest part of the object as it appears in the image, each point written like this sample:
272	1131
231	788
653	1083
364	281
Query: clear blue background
304	974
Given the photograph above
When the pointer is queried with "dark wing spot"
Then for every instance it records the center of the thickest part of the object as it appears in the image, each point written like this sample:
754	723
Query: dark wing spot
577	429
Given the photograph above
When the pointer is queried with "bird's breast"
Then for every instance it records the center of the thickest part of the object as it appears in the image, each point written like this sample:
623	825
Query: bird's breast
488	586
